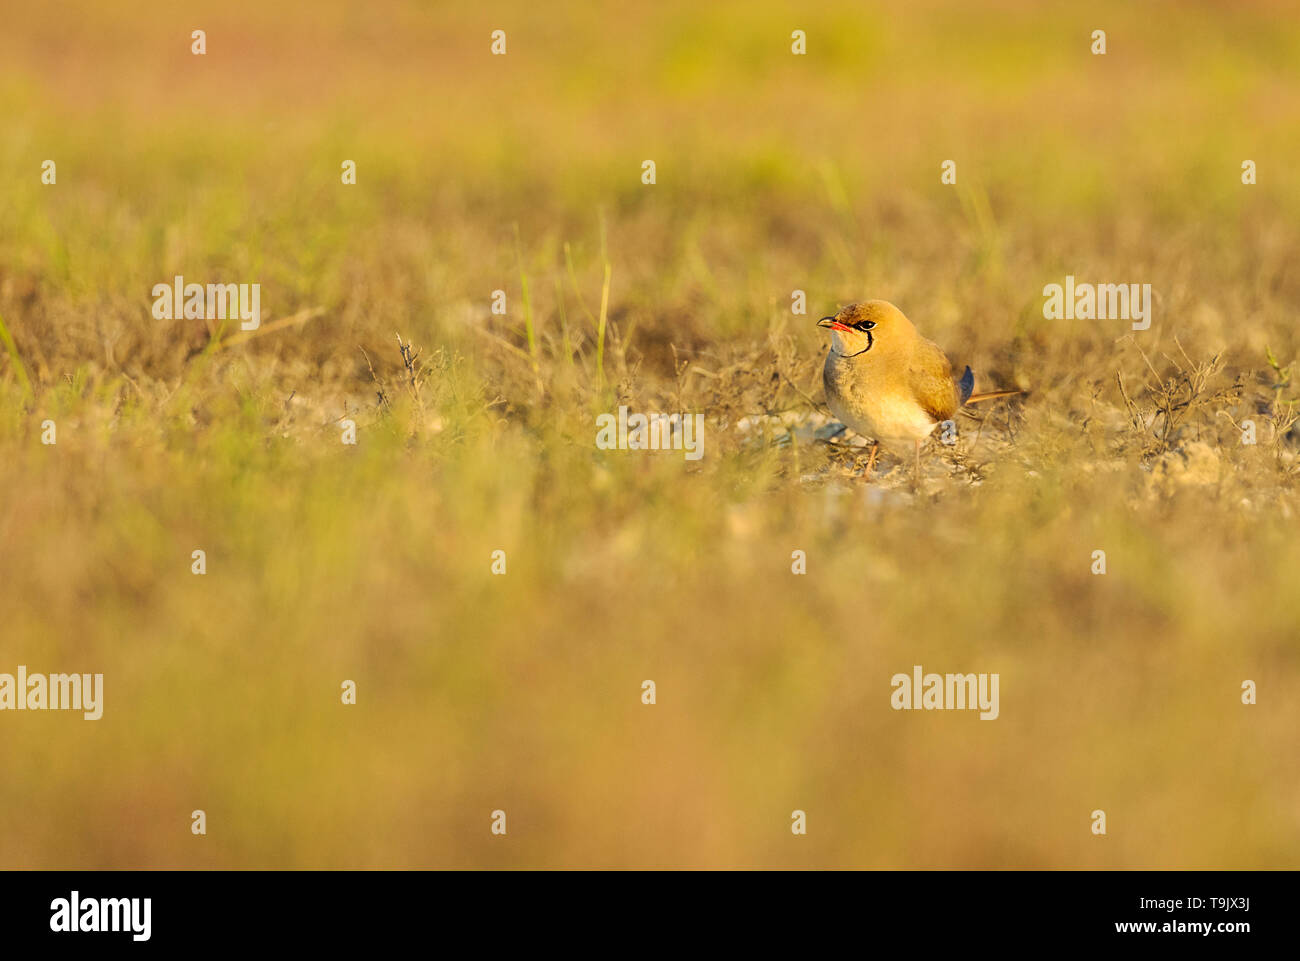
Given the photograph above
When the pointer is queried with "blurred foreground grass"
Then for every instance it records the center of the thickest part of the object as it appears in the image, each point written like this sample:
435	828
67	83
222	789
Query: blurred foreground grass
522	692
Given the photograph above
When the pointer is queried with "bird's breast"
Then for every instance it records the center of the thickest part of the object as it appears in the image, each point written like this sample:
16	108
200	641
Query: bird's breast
872	404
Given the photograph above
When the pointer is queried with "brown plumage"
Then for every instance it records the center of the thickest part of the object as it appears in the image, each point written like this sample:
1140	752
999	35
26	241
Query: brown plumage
887	382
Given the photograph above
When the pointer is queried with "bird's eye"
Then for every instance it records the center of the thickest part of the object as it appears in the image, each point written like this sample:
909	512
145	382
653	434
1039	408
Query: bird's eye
866	325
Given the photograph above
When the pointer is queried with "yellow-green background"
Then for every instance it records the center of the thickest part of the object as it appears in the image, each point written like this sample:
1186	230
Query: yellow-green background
775	172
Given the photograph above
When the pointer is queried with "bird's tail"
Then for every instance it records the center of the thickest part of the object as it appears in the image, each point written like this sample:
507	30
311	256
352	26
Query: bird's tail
966	385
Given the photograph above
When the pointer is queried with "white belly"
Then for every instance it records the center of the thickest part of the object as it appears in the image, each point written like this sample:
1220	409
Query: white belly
896	422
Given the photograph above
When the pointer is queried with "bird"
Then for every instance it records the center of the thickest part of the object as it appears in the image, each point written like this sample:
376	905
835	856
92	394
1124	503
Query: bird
886	382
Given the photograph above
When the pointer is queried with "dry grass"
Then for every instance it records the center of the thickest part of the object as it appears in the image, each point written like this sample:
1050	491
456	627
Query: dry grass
522	692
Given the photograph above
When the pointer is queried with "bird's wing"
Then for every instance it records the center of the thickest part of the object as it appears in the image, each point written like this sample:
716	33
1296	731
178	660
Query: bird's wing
930	377
992	395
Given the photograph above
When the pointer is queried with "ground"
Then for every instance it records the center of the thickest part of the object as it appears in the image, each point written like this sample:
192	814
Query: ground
522	691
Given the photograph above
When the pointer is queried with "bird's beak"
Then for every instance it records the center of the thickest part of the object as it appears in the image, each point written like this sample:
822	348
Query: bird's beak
831	323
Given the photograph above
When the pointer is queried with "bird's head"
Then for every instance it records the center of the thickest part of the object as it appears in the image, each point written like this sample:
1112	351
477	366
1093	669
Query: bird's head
858	328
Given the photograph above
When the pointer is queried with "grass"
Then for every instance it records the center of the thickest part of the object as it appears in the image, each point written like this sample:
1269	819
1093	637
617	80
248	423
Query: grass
372	562
16	362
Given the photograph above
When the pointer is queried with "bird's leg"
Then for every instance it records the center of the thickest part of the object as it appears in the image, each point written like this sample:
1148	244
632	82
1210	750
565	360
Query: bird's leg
871	460
918	465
